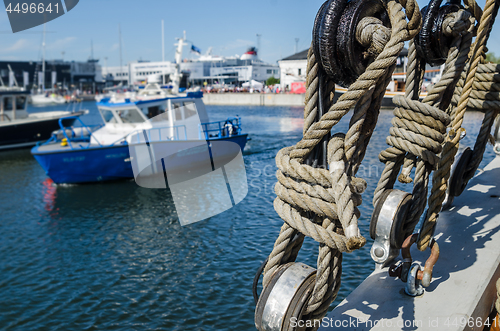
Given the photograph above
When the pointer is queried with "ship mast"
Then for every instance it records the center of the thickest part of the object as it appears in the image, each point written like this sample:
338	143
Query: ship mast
43	60
176	79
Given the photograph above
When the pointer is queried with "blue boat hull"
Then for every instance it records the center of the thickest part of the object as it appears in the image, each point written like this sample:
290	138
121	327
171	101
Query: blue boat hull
94	164
86	165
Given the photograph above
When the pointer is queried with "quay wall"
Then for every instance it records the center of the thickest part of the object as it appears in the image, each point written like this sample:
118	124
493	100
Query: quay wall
253	99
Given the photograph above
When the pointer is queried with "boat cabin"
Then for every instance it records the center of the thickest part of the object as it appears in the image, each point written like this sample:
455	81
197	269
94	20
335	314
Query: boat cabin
179	118
13	103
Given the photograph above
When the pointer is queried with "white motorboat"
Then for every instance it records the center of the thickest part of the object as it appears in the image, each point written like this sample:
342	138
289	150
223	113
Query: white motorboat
47	99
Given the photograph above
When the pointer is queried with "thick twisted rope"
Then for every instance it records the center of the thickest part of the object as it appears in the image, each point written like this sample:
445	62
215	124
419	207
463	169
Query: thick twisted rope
321	203
497	304
418	133
457	59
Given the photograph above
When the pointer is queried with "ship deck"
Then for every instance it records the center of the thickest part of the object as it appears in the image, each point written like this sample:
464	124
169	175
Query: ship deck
462	292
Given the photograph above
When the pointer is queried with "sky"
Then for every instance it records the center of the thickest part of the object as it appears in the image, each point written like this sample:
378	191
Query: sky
230	27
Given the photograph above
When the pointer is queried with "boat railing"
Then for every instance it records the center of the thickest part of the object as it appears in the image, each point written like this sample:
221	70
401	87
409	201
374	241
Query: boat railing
220	129
170	133
84	134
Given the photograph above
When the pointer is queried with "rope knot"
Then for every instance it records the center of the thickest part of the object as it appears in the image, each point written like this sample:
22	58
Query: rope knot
371	33
418	129
302	190
457	23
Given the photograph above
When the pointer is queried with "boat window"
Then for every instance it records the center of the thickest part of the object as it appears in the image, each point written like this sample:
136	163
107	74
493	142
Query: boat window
107	115
153	111
130	116
177	111
20	102
189	109
7	103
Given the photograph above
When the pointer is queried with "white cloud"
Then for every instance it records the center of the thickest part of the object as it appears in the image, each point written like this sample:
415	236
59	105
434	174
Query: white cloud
60	43
18	46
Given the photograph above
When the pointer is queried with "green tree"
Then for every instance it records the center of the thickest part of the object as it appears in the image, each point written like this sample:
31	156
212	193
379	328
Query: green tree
272	81
490	57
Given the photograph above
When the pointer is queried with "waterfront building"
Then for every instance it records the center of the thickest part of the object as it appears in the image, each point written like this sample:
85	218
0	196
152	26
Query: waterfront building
84	75
208	69
293	72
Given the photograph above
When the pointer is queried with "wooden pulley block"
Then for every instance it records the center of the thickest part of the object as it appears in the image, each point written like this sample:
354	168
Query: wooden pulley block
431	43
335	45
283	302
386	225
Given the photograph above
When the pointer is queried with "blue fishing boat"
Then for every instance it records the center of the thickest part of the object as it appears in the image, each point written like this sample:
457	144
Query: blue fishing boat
178	123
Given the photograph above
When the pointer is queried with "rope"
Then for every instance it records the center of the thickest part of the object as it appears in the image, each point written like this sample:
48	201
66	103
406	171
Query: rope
320	203
497	304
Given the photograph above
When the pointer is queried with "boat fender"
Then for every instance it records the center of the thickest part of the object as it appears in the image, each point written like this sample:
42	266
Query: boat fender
386	225
283	302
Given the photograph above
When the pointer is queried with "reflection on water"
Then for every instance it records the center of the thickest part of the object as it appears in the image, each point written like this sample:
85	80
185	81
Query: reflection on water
114	256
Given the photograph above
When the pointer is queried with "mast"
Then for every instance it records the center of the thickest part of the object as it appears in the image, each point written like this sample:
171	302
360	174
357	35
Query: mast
178	58
121	59
162	50
43	60
163	40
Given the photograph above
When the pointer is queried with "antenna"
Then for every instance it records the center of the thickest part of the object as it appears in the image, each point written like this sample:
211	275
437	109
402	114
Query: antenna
296	45
43	58
258	43
121	59
91	49
163	40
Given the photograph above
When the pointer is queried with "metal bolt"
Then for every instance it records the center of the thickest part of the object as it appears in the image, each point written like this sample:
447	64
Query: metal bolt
379	252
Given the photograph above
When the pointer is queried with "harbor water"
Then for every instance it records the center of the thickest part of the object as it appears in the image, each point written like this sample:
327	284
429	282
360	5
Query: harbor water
112	256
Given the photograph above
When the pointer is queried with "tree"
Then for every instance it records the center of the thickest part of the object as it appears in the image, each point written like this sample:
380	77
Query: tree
272	81
490	57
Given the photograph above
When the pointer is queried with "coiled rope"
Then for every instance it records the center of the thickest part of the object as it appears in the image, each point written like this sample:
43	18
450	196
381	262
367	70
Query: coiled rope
321	203
451	145
419	127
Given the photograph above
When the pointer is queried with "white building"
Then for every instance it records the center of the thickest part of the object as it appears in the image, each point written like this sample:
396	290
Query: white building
293	69
208	69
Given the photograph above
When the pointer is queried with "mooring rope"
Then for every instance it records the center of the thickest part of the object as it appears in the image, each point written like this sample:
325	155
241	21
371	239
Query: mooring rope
451	145
497	304
321	203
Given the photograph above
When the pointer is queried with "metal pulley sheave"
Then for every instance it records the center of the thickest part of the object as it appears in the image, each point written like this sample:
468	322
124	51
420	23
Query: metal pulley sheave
282	303
338	41
386	225
432	43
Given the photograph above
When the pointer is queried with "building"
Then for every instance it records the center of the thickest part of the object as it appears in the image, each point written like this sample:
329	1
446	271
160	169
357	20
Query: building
293	69
28	73
206	70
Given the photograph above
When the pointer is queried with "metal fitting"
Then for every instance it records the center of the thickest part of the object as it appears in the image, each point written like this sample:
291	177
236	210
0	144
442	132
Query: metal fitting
285	298
414	277
386	226
413	287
